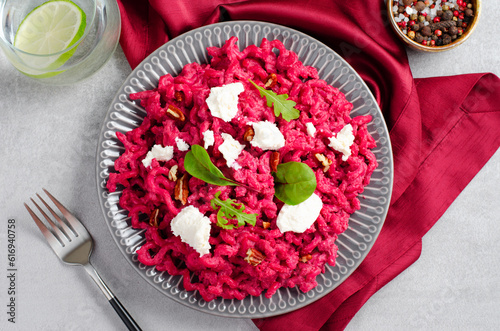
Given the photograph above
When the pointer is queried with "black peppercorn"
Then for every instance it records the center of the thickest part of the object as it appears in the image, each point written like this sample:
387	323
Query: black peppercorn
420	6
453	30
447	15
426	31
446	39
418	37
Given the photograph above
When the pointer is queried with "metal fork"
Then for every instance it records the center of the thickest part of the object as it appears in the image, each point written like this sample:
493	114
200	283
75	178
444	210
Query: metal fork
73	244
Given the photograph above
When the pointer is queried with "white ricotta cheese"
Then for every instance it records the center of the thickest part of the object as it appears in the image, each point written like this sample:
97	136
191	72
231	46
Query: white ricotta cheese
267	136
181	144
159	153
311	129
193	228
208	138
300	217
223	100
343	142
231	149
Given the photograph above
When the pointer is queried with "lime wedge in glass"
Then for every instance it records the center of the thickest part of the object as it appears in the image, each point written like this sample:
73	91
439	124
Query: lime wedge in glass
49	29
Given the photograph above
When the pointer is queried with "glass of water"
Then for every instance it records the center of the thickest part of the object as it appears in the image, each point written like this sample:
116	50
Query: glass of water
80	59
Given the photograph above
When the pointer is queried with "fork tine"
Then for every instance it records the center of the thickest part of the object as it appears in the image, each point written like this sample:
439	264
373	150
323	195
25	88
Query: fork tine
58	233
73	221
64	227
46	233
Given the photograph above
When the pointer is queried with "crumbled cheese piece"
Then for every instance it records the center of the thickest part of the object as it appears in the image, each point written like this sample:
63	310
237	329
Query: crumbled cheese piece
223	100
343	142
231	149
181	144
159	153
193	228
267	136
311	129
300	217
208	138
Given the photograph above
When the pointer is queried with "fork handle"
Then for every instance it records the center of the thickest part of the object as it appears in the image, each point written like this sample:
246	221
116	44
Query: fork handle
117	305
124	315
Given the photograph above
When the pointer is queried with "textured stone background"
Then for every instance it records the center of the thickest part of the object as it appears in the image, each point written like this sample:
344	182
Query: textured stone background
48	138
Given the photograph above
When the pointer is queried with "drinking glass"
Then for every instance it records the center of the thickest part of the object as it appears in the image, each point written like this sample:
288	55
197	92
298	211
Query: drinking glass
86	56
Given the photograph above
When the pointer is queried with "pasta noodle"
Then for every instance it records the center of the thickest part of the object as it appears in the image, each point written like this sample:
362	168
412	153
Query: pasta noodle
291	259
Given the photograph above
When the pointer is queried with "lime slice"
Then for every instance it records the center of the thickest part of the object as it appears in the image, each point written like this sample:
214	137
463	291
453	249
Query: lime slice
50	28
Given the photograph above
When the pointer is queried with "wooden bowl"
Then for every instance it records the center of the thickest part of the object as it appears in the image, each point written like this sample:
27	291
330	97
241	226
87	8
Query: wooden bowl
472	26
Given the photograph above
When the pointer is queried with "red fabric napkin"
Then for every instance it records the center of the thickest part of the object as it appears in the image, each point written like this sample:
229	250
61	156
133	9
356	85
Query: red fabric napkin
443	130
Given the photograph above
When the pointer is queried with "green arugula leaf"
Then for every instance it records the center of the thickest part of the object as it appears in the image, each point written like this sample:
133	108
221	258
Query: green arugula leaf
294	182
280	103
229	210
198	164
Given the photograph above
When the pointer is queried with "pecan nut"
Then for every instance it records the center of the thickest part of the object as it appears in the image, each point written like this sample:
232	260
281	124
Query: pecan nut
153	218
271	81
172	173
254	257
181	191
274	161
249	134
175	113
326	162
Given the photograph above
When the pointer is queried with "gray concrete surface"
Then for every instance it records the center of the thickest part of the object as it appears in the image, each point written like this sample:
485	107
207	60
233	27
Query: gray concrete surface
48	138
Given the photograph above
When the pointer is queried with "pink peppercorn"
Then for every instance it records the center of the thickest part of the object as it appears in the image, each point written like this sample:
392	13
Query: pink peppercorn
424	42
433	43
437	19
456	13
438	33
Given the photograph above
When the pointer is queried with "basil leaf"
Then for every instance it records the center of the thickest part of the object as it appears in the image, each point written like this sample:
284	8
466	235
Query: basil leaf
280	103
229	210
294	182
198	164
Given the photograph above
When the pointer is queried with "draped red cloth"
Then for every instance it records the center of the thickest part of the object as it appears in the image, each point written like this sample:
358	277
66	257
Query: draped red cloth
442	129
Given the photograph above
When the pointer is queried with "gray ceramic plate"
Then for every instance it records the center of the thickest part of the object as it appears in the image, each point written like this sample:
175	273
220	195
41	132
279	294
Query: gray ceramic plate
125	115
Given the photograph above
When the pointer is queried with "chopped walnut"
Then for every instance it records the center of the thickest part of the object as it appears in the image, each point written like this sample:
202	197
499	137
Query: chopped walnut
274	161
271	80
254	257
153	218
179	96
172	173
181	191
249	134
305	258
266	225
324	161
175	113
